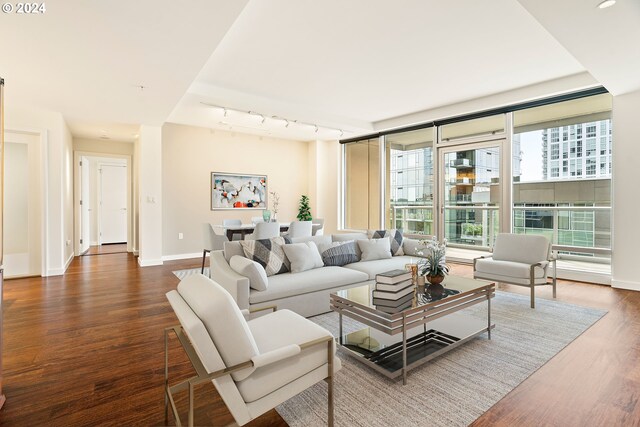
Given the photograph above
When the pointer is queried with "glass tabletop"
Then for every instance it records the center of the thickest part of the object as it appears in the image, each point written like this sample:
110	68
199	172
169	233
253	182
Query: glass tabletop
451	285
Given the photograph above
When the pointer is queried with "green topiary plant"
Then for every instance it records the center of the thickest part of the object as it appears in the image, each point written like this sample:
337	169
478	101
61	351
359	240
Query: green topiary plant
304	210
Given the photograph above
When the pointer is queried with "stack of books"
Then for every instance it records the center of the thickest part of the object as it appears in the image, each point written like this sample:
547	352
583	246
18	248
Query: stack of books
394	291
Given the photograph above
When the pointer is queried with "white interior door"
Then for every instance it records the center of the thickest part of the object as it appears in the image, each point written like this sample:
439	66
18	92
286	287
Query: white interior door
113	206
85	205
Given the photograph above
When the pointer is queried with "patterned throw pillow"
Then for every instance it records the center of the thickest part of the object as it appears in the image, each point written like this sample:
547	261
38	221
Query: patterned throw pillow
395	236
268	253
339	253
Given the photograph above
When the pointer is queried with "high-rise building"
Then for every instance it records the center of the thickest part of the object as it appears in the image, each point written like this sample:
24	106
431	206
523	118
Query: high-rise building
577	151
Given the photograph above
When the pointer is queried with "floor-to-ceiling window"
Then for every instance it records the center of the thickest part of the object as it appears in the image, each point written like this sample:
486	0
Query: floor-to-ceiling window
409	181
470	171
362	185
562	177
541	169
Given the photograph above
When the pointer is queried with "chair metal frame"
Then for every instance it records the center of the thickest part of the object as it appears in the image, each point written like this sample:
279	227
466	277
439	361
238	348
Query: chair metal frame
202	376
532	278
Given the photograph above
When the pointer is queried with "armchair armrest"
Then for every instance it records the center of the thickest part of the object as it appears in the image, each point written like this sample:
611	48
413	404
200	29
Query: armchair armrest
276	355
236	284
480	257
246	313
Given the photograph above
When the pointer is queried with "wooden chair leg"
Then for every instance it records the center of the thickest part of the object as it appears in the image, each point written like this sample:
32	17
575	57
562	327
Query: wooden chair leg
330	385
204	258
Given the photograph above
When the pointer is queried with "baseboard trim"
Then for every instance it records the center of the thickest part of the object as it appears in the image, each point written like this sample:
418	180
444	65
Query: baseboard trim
149	262
621	284
181	256
60	271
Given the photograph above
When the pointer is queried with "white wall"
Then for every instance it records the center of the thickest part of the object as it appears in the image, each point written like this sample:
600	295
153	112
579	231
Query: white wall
190	154
67	194
626	204
324	182
150	195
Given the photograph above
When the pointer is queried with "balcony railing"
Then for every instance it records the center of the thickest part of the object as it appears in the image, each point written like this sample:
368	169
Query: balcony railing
575	231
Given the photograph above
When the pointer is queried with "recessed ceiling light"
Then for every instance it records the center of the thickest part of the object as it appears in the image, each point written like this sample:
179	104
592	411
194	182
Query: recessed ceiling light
606	3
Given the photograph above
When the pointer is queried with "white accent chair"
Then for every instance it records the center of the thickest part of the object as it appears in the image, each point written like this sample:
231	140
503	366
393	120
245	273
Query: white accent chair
518	259
254	365
212	242
299	229
265	230
233	223
317	228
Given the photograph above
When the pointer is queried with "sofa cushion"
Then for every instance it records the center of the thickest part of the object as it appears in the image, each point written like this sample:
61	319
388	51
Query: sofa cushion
375	249
488	266
525	248
223	319
268	253
371	268
275	331
411	246
303	256
339	253
250	269
395	238
345	237
231	249
318	240
289	284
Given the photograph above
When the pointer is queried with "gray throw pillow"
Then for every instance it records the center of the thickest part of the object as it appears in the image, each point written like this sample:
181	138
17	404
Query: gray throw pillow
250	269
375	249
339	253
268	253
395	239
303	256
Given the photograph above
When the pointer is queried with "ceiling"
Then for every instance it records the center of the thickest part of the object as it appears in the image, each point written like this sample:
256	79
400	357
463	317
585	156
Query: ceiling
305	69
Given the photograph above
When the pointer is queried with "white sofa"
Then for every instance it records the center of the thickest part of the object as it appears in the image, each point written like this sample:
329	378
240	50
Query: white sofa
306	293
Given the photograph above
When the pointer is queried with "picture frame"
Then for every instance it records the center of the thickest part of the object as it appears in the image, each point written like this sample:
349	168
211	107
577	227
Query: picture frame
238	191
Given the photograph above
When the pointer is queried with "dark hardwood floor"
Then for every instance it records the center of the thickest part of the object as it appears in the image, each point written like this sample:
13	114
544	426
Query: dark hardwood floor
115	248
86	348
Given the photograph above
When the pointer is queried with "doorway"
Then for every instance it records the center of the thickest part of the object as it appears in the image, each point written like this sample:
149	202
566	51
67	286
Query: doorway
104	204
23	217
470	195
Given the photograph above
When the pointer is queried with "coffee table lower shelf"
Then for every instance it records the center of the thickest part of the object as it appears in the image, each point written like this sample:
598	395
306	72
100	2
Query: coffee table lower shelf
383	352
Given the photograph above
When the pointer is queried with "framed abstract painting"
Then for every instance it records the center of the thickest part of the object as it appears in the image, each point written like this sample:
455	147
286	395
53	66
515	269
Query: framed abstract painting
238	191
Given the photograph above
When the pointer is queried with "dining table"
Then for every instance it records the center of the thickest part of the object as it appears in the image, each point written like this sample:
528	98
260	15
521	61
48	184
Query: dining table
244	229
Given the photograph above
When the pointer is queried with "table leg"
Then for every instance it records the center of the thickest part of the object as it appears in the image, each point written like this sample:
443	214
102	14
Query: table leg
229	234
489	313
404	350
340	322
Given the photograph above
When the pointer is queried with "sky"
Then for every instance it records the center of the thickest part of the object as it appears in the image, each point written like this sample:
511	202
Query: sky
531	148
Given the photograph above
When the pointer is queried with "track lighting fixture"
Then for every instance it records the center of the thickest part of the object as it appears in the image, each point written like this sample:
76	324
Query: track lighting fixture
263	118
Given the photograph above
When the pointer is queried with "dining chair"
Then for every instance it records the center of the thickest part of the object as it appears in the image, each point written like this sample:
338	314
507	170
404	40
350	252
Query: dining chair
212	242
256	219
317	229
233	223
299	229
255	365
265	230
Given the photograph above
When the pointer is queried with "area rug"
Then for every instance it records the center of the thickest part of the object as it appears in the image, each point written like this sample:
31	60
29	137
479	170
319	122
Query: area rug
455	388
181	274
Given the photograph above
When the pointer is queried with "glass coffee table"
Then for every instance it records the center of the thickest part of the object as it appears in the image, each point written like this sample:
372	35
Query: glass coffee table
395	341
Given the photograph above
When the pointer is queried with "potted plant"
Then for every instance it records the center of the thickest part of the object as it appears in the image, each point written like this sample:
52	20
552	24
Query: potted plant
433	264
304	210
